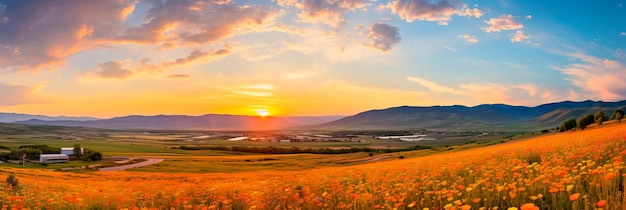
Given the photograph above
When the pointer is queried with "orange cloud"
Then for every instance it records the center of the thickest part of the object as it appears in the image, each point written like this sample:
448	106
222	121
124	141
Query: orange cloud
526	94
324	11
42	35
503	23
441	11
19	94
602	78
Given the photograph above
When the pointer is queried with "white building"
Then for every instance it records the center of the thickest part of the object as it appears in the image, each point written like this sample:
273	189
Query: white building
70	150
54	158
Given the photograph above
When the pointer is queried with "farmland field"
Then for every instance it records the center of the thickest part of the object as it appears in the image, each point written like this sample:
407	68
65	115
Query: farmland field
572	170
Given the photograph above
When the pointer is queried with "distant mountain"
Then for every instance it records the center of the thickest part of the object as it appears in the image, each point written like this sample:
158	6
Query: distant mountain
483	117
183	122
12	117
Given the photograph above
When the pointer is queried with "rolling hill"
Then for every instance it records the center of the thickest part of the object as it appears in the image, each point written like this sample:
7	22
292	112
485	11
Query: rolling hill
486	116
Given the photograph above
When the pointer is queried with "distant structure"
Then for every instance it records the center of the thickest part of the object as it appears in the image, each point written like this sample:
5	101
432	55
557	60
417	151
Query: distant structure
70	150
54	158
238	138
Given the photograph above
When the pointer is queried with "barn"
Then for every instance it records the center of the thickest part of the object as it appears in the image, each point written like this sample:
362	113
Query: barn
54	158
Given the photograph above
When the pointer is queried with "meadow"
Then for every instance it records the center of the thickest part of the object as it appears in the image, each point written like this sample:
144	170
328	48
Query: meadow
572	170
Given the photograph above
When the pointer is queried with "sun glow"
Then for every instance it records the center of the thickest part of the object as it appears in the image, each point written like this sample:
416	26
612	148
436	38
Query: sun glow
263	112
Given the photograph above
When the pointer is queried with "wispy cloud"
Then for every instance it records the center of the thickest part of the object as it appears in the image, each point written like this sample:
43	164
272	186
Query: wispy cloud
526	94
19	94
603	78
469	38
178	76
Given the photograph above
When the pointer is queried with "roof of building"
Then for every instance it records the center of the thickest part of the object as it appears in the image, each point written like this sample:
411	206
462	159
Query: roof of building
53	155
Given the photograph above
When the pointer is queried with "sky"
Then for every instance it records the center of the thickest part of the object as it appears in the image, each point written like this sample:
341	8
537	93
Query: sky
304	57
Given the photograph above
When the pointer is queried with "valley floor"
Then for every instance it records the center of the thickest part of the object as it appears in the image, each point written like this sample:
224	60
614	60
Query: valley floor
572	170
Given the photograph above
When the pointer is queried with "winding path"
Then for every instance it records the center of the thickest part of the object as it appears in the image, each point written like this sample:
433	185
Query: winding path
149	161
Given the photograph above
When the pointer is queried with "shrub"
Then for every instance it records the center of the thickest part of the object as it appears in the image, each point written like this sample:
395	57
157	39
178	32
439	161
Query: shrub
545	131
585	121
618	115
13	181
599	117
92	156
568	125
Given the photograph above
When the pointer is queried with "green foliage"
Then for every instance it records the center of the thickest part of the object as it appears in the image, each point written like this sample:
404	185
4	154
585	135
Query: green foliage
618	115
545	131
13	181
45	149
78	151
585	121
568	125
91	155
599	117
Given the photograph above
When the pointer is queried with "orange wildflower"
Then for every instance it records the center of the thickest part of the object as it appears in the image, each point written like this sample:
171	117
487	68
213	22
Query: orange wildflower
601	203
574	197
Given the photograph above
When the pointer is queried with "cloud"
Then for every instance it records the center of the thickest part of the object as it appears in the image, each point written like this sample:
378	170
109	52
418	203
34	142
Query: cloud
256	90
622	34
330	12
111	70
382	37
196	55
18	95
178	76
450	48
469	38
528	16
503	23
527	94
197	22
519	36
40	35
603	78
425	10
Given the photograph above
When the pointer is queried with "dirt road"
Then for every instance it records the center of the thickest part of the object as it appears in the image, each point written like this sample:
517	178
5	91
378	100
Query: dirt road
149	161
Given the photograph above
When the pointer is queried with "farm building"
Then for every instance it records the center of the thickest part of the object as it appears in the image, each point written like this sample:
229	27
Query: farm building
70	150
54	158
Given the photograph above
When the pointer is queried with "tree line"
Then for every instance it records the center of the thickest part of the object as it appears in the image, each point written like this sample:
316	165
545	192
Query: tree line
589	119
296	150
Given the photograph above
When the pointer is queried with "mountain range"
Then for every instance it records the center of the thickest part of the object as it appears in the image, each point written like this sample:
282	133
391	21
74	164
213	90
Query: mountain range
482	117
486	116
183	122
13	117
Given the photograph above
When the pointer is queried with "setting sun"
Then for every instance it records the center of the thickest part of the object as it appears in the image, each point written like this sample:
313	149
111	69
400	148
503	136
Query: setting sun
263	112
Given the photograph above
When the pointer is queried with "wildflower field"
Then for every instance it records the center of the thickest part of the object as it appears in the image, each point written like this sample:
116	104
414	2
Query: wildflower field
573	170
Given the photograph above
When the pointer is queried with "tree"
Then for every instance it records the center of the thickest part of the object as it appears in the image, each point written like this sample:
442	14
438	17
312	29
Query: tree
618	115
77	151
599	117
568	125
585	121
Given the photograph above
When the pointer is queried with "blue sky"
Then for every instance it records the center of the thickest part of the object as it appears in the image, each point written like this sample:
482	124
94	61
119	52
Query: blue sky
305	57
